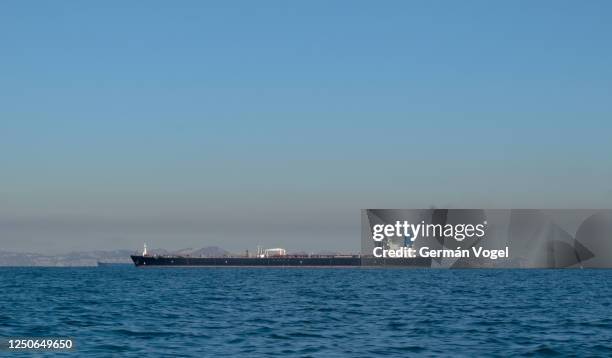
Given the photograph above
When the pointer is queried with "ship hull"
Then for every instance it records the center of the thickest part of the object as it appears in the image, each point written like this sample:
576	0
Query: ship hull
333	261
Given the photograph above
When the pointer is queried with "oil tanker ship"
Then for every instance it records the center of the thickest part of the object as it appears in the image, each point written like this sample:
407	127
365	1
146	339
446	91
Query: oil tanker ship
276	257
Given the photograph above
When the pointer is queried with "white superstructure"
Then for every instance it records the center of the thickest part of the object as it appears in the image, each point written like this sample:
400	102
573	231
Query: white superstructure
271	252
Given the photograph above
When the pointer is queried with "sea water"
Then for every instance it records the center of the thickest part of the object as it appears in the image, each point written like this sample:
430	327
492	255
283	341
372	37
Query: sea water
326	312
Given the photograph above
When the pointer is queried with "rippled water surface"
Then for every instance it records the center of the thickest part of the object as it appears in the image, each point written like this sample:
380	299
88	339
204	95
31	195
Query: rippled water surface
311	312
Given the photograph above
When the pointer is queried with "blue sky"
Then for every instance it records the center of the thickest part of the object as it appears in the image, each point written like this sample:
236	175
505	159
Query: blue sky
237	123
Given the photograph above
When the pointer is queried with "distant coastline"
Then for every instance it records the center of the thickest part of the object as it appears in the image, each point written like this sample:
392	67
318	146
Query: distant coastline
71	259
93	257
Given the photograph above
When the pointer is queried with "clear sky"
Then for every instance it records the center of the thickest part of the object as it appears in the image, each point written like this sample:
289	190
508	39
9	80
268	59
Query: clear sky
237	123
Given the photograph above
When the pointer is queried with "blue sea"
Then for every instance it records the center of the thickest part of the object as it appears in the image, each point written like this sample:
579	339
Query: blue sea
269	312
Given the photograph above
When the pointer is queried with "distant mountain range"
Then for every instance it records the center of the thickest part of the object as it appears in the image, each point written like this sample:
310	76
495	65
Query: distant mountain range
91	258
209	251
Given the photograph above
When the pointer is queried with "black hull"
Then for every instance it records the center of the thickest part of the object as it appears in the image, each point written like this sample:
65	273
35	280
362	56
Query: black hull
335	261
